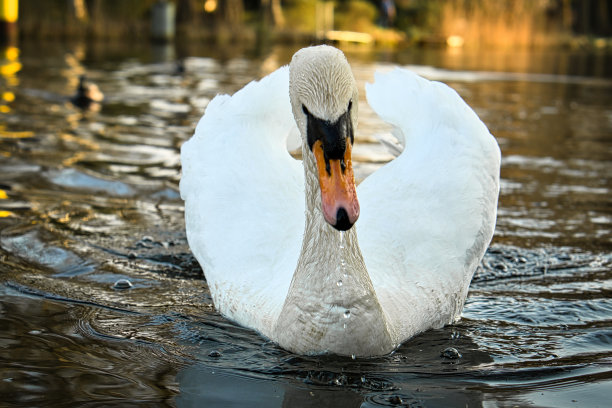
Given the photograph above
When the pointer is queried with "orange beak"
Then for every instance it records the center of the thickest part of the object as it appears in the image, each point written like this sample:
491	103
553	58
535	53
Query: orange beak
338	193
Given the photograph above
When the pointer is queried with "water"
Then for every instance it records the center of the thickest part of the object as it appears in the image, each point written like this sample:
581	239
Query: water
88	199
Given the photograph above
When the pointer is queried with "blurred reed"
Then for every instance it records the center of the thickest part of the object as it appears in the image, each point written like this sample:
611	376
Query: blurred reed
503	23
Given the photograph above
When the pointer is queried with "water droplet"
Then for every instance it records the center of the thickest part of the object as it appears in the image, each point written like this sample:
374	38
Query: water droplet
451	353
347	314
344	326
339	283
353	356
122	284
341	239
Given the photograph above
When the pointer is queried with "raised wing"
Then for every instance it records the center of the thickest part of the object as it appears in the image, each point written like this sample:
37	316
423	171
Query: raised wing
244	200
427	216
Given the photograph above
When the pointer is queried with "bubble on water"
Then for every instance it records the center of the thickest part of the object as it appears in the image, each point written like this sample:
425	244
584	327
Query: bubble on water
339	283
122	284
450	353
347	314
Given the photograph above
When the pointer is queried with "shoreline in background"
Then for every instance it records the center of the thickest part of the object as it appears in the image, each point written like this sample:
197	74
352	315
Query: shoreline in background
457	23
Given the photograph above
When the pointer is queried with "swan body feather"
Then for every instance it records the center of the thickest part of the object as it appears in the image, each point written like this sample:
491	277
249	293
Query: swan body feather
272	262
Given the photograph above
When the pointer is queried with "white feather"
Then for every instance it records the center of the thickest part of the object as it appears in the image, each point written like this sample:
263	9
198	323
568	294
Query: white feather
428	216
244	200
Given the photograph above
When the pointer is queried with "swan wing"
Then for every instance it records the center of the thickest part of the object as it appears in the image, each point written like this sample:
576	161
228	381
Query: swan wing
244	200
428	216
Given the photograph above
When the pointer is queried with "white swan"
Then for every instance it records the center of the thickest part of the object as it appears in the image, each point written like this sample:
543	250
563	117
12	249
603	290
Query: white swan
274	262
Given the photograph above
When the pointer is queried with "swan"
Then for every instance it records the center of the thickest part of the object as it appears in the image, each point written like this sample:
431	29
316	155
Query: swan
297	252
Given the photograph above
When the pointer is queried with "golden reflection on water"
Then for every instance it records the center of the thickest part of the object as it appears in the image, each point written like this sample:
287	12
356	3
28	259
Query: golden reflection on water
4	213
7	134
9	67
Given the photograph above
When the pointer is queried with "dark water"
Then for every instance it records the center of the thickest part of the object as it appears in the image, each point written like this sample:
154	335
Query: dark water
89	198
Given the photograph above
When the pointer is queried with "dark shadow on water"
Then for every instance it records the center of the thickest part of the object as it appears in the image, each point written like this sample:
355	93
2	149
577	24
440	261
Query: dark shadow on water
415	373
51	357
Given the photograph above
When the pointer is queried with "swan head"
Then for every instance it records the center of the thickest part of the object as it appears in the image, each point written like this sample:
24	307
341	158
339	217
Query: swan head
324	99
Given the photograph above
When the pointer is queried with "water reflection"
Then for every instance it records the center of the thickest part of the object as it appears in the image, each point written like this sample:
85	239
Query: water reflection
548	61
9	67
48	346
88	198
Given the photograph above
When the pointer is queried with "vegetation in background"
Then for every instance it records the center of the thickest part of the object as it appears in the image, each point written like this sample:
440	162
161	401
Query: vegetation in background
505	23
469	22
357	15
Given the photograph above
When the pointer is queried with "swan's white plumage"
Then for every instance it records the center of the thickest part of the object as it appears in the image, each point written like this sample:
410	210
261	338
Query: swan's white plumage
244	200
426	217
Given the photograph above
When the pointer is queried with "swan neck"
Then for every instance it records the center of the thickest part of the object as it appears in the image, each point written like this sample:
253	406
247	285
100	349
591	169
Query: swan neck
331	300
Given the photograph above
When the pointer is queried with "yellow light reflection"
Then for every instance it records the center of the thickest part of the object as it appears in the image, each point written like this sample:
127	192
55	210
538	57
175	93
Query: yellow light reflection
4	213
10	68
8	96
75	158
455	41
5	134
210	6
9	10
83	142
11	53
10	65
